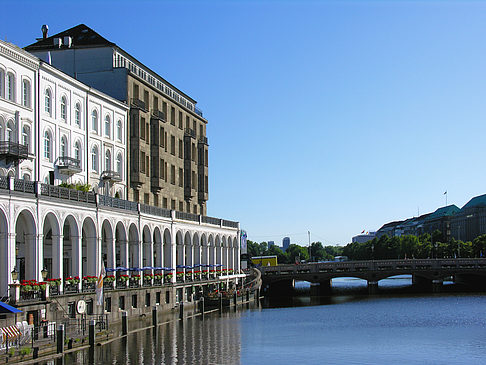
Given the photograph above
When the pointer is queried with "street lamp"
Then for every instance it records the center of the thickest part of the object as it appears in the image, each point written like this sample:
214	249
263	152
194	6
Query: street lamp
15	274
44	274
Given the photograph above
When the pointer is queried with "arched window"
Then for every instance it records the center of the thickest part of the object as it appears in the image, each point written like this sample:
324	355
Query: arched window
107	126
94	120
2	83
119	130
119	164
63	108
77	151
47	145
77	114
2	131
63	151
10	86
48	101
10	132
26	177
94	158
107	160
26	93
26	136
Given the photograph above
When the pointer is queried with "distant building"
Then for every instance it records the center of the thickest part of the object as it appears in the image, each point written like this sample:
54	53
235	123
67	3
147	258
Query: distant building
362	238
271	243
285	243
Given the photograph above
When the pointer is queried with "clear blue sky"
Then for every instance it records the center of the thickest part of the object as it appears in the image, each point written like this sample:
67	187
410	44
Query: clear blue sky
328	116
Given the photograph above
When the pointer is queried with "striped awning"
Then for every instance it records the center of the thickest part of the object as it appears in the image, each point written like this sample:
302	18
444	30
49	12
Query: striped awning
10	333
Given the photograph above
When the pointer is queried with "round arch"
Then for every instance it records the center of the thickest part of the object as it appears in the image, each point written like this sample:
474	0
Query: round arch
90	251
27	259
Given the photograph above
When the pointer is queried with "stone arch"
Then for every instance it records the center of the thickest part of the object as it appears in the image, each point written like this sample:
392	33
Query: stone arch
121	246
26	250
179	249
52	250
167	242
217	244
90	251
108	251
188	249
157	248
134	247
6	266
147	248
196	243
204	250
224	253
72	255
212	250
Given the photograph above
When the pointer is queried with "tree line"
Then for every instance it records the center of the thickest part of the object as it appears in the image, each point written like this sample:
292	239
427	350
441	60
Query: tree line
294	253
383	248
418	247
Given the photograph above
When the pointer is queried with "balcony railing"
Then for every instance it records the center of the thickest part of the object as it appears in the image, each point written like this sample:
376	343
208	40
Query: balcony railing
157	114
190	132
138	104
149	209
68	165
13	151
108	201
198	111
211	220
203	139
65	193
109	175
187	216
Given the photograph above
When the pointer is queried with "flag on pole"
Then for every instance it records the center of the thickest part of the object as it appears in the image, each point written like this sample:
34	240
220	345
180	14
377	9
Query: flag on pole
445	192
363	231
99	285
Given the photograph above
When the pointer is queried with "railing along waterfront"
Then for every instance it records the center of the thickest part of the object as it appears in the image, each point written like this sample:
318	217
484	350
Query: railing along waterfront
90	197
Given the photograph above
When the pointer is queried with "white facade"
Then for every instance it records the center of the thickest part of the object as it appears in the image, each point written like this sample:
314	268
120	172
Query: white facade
82	134
18	74
41	228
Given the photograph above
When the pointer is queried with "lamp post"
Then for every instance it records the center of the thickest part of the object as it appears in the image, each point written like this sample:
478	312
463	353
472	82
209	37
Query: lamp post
44	273
15	274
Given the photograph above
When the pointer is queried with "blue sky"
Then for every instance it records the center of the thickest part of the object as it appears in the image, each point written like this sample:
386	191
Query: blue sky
325	116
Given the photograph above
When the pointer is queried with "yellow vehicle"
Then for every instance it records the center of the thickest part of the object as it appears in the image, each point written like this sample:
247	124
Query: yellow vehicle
264	260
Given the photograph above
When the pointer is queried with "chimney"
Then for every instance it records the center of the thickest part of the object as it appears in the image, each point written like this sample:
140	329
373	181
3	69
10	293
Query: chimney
44	29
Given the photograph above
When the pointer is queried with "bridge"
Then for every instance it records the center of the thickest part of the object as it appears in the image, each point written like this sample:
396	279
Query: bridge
425	272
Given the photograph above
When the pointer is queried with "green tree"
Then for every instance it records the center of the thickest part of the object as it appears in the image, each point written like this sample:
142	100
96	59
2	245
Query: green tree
295	251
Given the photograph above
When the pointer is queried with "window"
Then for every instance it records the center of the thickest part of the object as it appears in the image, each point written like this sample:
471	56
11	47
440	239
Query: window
107	126
180	149
2	83
94	158
172	145
48	102
77	151
63	108
172	175
10	132
180	120
142	128
107	160
181	178
47	145
94	121
63	147
77	115
26	136
26	93
119	164
10	86
142	162
119	130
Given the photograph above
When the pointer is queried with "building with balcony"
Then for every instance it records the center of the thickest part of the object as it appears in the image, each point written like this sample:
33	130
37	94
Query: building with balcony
18	80
82	134
167	160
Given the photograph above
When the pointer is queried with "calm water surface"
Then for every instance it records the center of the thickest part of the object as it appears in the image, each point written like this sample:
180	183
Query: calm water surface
349	328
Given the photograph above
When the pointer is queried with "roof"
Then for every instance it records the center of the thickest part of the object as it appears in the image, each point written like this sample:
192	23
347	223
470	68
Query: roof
444	212
477	201
390	225
82	36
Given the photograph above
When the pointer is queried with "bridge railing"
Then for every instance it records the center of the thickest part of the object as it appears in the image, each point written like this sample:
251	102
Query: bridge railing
376	265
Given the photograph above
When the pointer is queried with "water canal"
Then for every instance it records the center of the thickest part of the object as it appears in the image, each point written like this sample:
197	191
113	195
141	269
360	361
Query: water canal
397	327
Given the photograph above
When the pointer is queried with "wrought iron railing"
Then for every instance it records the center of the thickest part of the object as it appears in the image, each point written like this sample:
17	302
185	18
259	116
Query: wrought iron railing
14	149
65	193
24	186
149	209
139	104
211	220
187	216
108	201
70	162
157	114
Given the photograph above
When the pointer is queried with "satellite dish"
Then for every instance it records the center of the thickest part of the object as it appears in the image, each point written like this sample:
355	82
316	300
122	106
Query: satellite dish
81	306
